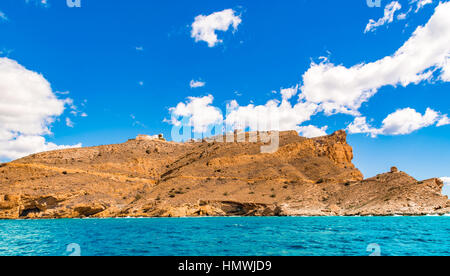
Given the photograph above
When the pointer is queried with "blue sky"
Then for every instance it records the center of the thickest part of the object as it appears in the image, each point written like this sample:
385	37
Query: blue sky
124	65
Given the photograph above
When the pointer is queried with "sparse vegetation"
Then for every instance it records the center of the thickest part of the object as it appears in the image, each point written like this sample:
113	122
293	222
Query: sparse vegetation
126	174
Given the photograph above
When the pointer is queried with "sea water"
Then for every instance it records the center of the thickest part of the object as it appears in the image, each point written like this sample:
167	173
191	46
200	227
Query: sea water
284	236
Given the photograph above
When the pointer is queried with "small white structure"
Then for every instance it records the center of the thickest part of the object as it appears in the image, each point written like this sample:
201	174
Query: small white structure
142	137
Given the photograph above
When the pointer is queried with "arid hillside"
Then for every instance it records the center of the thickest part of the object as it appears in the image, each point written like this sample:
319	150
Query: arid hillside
155	178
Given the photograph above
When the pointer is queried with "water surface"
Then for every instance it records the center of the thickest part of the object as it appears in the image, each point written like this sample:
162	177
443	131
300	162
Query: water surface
283	236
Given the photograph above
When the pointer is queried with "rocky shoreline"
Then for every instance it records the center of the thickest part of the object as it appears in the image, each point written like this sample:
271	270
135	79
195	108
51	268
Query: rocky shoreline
156	178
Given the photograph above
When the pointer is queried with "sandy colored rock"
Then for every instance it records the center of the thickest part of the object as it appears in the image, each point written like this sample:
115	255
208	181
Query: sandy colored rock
150	177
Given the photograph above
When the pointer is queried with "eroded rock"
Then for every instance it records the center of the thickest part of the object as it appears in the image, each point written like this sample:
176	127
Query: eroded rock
155	178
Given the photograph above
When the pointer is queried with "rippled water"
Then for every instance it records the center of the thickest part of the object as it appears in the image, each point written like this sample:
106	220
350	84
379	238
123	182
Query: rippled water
228	236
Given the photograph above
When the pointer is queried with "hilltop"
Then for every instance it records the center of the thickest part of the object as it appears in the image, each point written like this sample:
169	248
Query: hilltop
156	178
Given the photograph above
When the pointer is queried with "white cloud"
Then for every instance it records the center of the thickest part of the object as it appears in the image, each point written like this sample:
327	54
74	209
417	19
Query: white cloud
69	123
25	145
312	131
339	89
28	107
405	121
419	5
443	121
196	84
389	12
360	125
288	93
139	48
204	27
199	112
401	122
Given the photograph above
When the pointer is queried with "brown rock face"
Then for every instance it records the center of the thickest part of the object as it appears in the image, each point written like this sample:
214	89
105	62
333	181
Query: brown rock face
155	178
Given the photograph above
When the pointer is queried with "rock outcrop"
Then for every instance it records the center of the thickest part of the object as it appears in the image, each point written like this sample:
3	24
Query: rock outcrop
156	178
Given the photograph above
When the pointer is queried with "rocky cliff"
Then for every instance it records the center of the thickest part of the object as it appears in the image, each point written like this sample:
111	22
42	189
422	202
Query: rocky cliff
155	178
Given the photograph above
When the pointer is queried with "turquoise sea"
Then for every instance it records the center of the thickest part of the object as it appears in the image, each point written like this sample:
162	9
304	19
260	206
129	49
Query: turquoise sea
228	236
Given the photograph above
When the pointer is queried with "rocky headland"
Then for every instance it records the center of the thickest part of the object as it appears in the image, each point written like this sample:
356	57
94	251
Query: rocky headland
155	178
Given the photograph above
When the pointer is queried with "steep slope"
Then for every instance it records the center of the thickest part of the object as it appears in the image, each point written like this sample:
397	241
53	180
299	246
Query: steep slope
146	178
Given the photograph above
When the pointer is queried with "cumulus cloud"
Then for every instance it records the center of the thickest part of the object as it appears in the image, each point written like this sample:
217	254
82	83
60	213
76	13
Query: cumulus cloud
339	89
389	12
312	131
401	122
205	26
421	4
24	145
445	75
443	121
274	115
199	112
196	84
28	107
